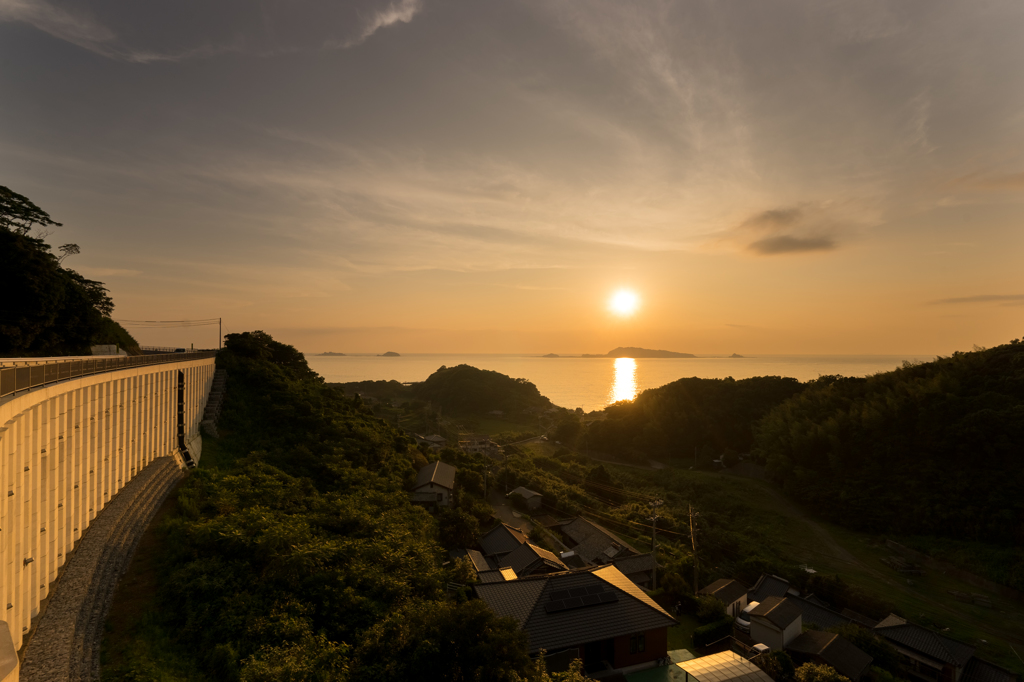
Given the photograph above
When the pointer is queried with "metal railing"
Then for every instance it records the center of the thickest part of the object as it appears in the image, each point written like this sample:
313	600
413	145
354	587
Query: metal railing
51	370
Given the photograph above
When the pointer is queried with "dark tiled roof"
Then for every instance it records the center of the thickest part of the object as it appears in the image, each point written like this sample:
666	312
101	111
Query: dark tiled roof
526	493
480	563
630	565
525	600
978	670
726	590
440	473
594	543
769	586
526	558
502	539
859	618
923	640
780	612
819	615
834	650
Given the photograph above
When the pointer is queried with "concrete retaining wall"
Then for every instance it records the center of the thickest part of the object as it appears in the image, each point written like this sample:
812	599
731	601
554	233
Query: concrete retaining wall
65	451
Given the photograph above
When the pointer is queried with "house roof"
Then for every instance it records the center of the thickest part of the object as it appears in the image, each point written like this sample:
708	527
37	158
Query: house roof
502	539
526	557
525	492
924	641
497	575
859	618
834	650
633	565
573	608
979	670
777	611
726	666
434	439
769	586
819	615
439	473
479	561
726	590
593	542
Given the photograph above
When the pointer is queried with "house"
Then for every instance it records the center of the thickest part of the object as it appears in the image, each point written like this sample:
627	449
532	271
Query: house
930	656
639	568
815	646
730	592
771	586
434	442
434	484
775	622
528	559
595	614
501	540
532	499
487	571
592	543
726	666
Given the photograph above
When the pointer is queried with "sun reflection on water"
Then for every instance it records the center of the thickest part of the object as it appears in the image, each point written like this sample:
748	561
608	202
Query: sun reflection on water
624	386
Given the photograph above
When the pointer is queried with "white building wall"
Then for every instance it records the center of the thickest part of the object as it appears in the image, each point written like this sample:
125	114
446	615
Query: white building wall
65	450
763	632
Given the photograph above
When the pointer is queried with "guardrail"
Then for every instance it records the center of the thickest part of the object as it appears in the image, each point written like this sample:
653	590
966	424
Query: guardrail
16	379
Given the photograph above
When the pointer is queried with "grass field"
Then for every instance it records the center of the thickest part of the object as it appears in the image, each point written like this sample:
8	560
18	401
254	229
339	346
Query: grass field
855	557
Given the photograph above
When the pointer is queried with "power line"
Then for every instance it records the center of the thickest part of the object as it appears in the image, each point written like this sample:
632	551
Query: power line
165	324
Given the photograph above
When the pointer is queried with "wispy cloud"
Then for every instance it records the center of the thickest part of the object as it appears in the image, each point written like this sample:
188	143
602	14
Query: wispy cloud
774	246
1004	299
402	11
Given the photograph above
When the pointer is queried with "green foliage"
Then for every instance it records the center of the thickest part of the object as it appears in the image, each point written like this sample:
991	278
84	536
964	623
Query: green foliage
813	672
712	632
709	609
469	390
777	664
885	654
717	414
48	309
931	448
840	595
301	558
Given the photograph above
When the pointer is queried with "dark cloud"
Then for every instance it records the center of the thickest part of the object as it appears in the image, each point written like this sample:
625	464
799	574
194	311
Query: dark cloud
774	246
1005	299
775	218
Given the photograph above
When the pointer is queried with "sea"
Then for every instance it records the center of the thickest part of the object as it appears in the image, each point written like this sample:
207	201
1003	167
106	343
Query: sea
593	383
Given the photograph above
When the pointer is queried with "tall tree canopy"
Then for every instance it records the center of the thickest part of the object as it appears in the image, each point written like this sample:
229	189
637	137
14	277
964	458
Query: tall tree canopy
48	309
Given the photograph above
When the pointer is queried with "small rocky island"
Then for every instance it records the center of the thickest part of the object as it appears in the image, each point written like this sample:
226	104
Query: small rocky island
389	354
332	354
551	355
736	355
633	352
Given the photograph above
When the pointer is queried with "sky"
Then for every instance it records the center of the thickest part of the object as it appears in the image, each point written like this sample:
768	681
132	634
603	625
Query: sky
770	176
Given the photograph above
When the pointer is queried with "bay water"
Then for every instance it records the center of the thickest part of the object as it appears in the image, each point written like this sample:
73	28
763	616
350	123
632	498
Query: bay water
593	383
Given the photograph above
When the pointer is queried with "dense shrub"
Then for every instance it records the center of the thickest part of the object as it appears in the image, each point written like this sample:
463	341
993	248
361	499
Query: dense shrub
712	632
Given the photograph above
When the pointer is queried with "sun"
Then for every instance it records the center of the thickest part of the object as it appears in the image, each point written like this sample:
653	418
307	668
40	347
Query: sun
624	303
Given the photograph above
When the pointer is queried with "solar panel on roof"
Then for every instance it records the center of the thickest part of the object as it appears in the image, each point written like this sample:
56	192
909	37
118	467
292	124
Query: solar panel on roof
591	599
578	591
573	603
561	594
609	597
595	589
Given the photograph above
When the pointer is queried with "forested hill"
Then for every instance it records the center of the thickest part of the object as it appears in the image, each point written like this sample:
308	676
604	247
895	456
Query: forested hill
297	555
712	415
934	448
470	390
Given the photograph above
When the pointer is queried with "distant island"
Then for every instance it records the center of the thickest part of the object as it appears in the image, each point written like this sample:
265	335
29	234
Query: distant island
735	355
390	354
330	353
551	355
631	352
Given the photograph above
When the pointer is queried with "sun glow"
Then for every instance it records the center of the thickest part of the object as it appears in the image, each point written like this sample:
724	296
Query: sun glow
624	303
624	387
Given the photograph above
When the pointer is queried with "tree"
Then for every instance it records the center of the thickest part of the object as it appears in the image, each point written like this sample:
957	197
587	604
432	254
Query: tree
777	664
18	214
813	672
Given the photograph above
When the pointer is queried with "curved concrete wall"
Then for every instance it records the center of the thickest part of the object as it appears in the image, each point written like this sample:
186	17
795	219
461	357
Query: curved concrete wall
65	450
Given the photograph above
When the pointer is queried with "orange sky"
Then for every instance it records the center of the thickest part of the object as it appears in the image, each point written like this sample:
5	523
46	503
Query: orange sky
799	177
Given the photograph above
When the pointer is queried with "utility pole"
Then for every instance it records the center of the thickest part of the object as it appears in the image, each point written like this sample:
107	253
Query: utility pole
220	333
654	504
693	543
